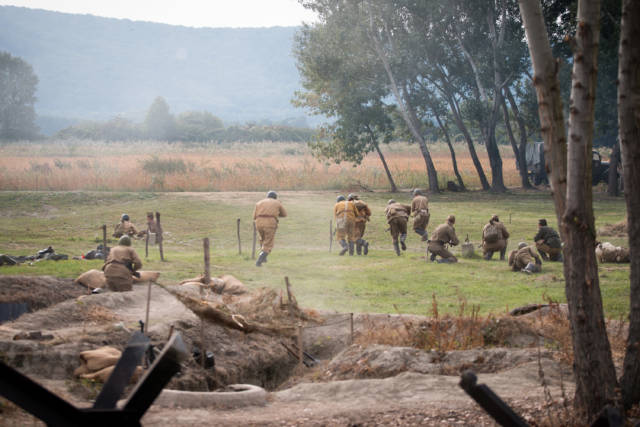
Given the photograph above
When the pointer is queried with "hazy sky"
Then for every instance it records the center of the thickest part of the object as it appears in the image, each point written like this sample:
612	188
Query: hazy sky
191	13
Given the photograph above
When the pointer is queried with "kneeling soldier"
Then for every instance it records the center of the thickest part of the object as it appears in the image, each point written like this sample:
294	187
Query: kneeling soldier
548	242
494	238
443	234
122	263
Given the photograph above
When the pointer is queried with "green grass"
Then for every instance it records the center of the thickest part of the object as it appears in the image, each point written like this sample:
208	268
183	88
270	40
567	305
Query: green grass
71	221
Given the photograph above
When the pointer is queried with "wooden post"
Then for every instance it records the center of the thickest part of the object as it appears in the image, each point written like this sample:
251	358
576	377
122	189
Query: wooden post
159	235
146	318
105	250
330	234
253	250
351	335
238	232
146	243
300	354
207	261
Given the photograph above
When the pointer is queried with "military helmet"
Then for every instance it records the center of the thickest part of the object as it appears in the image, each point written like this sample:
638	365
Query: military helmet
495	218
391	201
340	198
124	217
522	245
352	196
272	194
542	222
124	241
417	192
451	219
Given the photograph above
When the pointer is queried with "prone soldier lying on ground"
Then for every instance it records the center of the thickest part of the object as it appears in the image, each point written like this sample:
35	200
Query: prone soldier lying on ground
525	259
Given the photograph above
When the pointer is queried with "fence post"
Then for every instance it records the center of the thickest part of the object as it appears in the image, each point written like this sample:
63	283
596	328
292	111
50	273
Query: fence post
238	232
300	353
207	261
159	236
351	335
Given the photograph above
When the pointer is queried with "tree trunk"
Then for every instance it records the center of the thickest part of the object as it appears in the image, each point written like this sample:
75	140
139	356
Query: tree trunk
394	189
592	361
522	152
629	125
512	139
614	161
593	366
467	137
495	160
445	131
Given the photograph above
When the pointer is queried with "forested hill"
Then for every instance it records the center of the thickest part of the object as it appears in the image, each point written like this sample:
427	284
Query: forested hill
96	68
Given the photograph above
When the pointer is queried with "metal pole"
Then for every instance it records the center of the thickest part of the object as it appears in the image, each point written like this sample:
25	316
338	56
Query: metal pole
159	235
253	250
238	232
146	318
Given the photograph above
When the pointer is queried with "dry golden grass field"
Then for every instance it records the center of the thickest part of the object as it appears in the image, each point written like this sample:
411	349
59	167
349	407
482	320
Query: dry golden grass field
157	166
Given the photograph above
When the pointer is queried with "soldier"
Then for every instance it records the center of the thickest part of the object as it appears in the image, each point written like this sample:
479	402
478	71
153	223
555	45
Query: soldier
548	242
265	216
522	259
363	213
420	213
397	217
122	263
443	234
125	227
494	238
344	212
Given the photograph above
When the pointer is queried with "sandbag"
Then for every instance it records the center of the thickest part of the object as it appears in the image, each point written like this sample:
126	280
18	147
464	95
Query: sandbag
104	374
92	279
146	276
100	358
232	285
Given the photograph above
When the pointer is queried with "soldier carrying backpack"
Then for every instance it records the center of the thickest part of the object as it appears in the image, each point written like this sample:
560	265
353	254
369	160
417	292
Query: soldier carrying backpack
494	238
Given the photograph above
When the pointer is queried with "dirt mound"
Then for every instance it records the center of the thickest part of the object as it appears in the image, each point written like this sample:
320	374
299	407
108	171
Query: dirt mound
618	229
38	291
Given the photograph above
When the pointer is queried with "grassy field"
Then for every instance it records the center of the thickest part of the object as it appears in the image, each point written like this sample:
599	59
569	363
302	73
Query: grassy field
380	282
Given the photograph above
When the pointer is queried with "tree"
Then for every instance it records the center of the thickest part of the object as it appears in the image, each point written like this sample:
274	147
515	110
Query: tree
159	122
18	85
197	126
629	125
571	184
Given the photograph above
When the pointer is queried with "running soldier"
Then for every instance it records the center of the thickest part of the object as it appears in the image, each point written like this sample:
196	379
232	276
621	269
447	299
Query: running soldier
525	259
265	216
344	213
548	242
363	213
122	263
420	213
443	234
494	238
397	216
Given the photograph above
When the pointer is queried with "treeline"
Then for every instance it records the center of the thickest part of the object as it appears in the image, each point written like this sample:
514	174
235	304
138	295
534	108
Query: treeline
190	126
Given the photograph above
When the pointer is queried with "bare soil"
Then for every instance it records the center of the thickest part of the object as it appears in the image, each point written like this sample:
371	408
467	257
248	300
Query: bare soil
352	384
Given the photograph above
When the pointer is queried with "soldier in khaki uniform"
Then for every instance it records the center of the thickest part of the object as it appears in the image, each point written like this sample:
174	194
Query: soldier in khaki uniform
122	263
265	216
525	259
125	227
443	234
548	242
397	216
494	238
420	213
363	213
344	213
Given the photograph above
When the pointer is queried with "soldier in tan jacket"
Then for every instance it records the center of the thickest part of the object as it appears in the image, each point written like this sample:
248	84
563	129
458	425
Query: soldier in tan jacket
344	213
397	216
125	227
443	234
420	213
525	259
120	266
266	216
494	238
363	213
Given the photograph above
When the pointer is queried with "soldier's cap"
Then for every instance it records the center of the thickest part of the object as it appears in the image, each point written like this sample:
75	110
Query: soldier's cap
451	219
352	196
542	222
124	217
391	201
272	195
495	218
124	241
522	245
417	192
149	214
340	198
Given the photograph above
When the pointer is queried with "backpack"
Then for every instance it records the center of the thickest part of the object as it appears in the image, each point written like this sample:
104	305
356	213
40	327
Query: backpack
491	233
341	221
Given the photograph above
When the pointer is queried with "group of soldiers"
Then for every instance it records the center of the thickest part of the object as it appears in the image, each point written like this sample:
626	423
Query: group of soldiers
351	216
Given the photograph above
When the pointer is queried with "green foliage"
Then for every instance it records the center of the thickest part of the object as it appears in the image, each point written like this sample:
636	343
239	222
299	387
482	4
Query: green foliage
18	85
155	165
159	124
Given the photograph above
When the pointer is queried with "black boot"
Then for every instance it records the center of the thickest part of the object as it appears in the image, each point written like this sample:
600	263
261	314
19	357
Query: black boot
420	231
351	245
261	258
345	248
433	257
487	256
402	239
503	251
544	255
365	247
359	246
396	247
